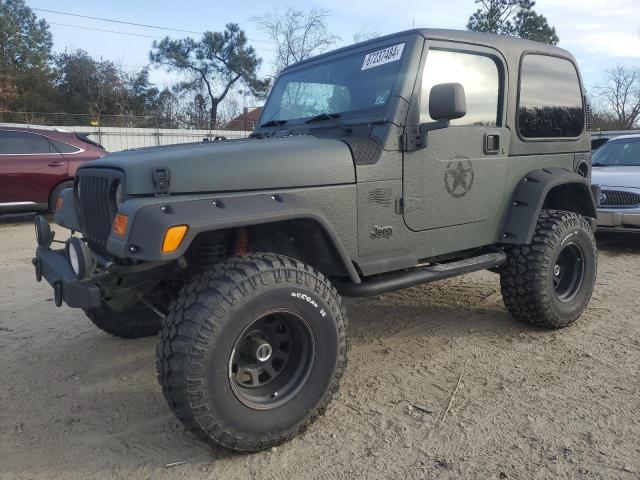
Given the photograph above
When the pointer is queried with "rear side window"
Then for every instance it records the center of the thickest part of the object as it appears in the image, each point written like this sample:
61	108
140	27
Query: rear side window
23	143
62	147
550	102
479	76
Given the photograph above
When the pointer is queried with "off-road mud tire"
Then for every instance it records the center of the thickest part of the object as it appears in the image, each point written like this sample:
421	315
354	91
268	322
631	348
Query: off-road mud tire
527	281
198	340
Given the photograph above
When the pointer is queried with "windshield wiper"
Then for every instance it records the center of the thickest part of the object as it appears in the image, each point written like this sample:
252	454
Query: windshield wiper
333	117
273	123
599	164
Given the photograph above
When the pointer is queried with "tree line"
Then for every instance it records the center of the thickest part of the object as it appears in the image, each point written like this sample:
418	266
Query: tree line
219	72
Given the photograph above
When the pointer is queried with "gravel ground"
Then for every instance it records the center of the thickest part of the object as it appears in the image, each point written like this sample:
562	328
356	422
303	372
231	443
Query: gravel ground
76	403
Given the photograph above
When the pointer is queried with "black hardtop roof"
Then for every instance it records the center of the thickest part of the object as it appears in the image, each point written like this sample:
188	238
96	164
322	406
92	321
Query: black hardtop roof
509	46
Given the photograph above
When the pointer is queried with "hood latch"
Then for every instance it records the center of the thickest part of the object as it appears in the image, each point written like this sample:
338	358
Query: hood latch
161	179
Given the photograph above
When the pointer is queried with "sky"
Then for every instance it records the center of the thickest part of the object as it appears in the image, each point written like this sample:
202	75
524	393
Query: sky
600	34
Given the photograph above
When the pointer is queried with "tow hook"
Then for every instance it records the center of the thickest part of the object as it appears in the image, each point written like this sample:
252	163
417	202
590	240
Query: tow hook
57	293
38	267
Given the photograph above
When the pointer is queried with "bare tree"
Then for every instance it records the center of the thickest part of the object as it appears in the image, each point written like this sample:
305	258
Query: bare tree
367	32
296	34
619	95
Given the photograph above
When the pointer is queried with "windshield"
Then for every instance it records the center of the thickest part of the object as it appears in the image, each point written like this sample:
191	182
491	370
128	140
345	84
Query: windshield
356	83
618	153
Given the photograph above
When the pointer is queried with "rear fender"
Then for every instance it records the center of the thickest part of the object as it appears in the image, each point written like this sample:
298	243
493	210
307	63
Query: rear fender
548	188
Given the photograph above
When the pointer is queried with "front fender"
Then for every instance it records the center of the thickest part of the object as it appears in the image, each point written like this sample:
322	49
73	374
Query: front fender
149	221
67	217
529	198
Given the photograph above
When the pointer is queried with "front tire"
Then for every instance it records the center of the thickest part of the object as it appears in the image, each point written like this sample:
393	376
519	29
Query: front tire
549	282
137	321
252	351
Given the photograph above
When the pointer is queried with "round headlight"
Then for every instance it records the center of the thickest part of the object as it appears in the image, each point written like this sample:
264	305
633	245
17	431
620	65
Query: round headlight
81	259
44	237
119	195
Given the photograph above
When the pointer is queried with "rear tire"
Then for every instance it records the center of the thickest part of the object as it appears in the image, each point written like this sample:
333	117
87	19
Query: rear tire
135	322
252	351
549	282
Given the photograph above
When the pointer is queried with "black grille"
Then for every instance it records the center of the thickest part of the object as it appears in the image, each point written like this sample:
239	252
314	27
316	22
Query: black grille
619	199
94	196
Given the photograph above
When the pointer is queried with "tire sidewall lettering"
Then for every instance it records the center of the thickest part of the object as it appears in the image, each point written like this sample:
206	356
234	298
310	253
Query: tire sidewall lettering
567	237
307	298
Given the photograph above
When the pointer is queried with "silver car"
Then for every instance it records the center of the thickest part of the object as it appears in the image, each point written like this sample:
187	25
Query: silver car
616	181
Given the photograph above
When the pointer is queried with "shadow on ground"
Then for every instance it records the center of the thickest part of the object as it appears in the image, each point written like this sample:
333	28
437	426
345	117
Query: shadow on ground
16	218
618	242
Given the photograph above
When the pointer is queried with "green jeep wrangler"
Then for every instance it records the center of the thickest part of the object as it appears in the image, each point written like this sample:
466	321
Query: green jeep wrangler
383	165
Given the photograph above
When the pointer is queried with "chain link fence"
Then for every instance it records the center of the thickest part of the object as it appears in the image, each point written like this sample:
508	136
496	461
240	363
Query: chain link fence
120	132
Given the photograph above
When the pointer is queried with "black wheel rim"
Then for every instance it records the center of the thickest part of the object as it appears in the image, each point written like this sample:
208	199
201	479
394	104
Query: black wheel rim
568	272
271	359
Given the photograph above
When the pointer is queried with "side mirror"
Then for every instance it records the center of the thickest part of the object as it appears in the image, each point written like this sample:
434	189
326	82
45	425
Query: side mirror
447	101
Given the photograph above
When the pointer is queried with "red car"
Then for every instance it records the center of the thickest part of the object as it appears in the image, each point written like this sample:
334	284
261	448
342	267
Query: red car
37	164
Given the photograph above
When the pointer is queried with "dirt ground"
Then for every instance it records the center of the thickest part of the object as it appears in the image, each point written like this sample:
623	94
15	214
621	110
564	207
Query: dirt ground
76	403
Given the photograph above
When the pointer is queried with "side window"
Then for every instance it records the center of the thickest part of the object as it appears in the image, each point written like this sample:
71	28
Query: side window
550	101
20	143
479	76
61	147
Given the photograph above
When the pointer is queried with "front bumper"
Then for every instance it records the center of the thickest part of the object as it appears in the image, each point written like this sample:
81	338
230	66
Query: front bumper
619	220
54	266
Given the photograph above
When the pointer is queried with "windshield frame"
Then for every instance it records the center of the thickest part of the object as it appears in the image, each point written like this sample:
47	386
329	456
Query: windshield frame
364	115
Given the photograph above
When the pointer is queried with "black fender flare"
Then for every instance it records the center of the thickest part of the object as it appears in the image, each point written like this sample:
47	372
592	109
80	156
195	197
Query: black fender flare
530	195
68	216
149	222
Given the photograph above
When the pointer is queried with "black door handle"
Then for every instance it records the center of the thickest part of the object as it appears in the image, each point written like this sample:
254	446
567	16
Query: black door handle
491	143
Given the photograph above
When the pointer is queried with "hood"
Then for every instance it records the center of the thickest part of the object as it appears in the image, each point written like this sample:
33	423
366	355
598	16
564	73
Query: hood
618	176
252	164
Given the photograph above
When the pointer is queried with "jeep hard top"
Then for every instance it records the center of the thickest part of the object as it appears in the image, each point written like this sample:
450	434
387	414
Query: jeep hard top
386	164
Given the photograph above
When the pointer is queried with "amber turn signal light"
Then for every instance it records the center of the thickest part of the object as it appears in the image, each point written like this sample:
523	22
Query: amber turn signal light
59	203
173	238
120	224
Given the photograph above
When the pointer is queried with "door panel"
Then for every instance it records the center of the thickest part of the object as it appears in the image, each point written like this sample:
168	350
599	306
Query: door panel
459	177
30	178
453	181
28	169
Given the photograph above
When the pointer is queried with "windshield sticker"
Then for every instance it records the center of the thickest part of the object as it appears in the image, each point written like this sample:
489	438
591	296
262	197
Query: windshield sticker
388	55
382	96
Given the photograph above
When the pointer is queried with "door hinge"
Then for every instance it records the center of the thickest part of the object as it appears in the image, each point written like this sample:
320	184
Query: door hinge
399	206
408	142
161	179
402	142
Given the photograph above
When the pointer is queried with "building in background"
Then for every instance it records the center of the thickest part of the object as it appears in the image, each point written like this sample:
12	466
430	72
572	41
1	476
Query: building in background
245	122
